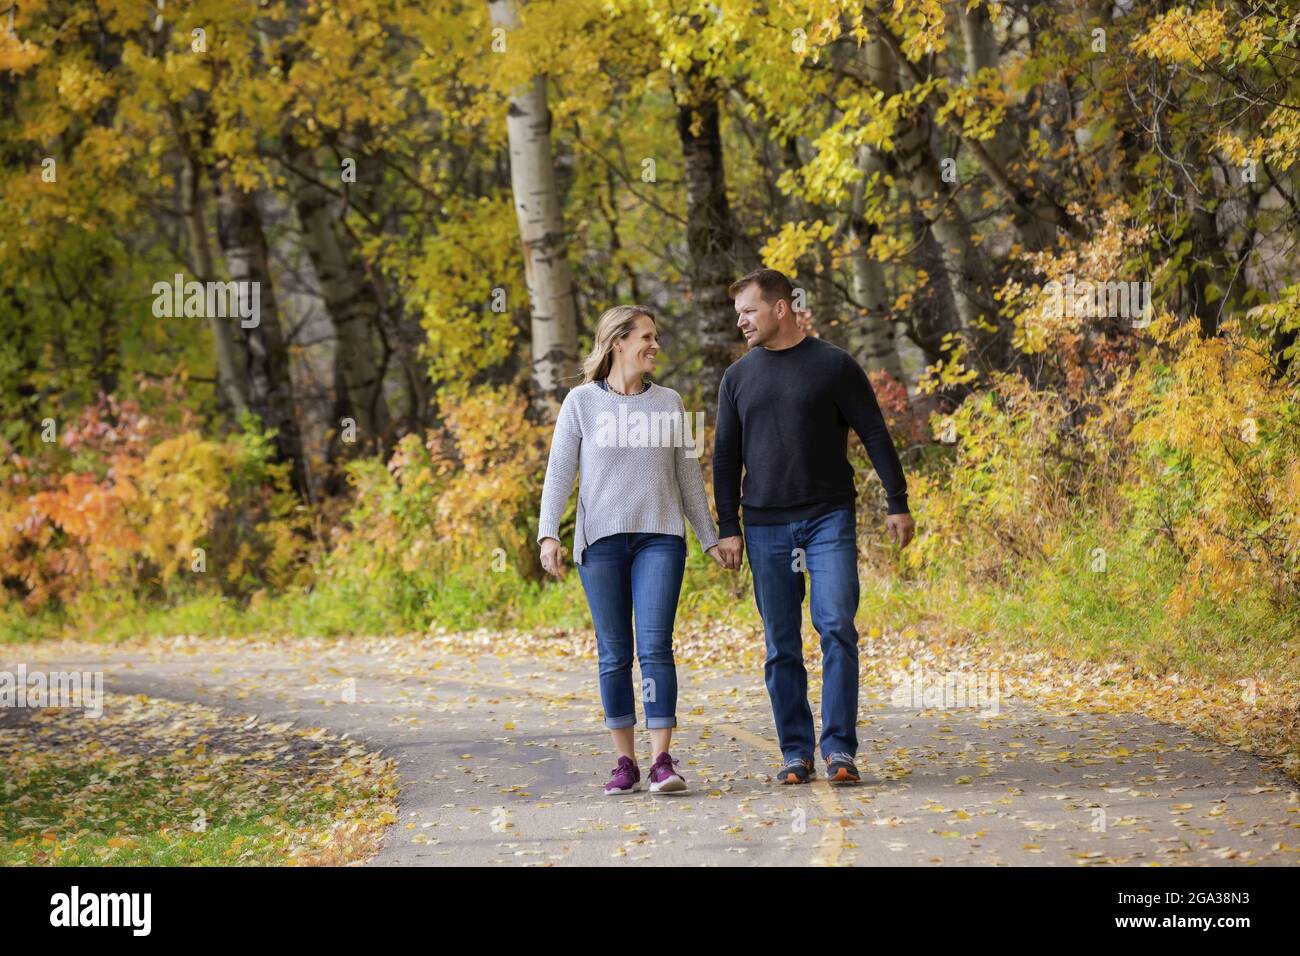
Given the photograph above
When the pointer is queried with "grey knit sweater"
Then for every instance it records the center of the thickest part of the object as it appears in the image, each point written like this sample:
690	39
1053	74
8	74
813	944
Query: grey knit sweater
637	471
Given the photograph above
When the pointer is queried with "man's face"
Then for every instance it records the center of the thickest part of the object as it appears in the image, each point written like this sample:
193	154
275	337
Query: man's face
758	320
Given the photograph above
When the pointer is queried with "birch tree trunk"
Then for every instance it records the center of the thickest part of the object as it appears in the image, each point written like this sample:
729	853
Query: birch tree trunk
232	388
934	314
541	226
350	301
948	223
873	340
270	388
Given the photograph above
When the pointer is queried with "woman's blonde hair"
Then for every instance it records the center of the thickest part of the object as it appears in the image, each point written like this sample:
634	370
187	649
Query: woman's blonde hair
613	325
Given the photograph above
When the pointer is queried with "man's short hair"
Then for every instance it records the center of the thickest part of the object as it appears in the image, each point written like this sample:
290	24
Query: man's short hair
774	286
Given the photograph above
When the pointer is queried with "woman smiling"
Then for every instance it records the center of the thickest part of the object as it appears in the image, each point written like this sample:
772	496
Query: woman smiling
630	539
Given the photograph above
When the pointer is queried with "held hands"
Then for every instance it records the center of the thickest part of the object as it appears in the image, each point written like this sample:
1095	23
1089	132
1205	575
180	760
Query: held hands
729	551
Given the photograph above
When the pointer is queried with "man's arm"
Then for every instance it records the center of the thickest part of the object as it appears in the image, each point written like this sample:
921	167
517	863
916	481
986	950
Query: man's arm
857	403
727	464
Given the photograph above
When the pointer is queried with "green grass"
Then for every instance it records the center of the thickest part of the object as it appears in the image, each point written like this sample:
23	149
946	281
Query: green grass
69	819
461	599
156	782
1118	614
1059	605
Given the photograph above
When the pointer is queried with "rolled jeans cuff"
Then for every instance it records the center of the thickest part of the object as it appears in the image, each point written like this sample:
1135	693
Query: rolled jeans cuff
658	723
618	723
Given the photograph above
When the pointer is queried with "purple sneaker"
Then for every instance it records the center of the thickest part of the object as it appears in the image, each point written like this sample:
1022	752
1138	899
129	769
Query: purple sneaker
664	778
625	778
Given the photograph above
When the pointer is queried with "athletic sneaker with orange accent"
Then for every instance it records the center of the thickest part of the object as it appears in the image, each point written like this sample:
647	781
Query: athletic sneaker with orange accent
798	770
840	768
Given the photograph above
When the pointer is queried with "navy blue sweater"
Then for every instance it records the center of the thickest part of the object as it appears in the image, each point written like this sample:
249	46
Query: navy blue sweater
784	415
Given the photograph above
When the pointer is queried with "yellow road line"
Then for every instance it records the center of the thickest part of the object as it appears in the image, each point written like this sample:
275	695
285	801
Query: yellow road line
832	841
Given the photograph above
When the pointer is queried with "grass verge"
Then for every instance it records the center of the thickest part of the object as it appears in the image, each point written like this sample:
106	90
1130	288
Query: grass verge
161	783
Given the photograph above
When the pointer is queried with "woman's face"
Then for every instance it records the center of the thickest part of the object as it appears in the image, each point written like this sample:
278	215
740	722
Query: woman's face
640	346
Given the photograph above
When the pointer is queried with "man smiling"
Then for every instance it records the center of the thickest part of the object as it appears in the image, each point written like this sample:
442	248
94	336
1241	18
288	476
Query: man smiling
784	411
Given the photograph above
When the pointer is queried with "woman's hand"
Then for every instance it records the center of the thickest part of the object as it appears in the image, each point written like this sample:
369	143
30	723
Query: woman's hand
553	557
716	555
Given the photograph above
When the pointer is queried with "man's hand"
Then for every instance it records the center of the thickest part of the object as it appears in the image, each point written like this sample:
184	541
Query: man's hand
552	557
901	527
730	551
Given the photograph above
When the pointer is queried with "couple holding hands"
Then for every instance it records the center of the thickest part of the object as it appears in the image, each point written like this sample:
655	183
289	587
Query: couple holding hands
784	411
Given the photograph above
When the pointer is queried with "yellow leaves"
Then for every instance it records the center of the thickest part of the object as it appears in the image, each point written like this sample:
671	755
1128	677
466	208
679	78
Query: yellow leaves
888	248
18	55
184	481
1215	458
922	25
980	104
82	88
1234	149
950	371
134	787
1184	37
473	254
235	141
1082	286
463	493
783	250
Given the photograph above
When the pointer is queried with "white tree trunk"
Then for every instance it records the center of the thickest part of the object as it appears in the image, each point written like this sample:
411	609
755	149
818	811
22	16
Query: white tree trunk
875	342
541	226
349	301
231	361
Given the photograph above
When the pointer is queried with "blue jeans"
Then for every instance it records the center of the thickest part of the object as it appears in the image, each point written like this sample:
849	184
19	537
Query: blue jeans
827	547
635	573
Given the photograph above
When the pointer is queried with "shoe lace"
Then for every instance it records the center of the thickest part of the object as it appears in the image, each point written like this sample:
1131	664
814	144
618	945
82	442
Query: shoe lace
841	756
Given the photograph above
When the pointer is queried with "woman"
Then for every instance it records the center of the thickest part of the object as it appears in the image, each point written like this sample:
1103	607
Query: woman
638	478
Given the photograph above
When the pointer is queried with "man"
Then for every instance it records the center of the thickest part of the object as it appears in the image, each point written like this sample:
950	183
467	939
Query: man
784	411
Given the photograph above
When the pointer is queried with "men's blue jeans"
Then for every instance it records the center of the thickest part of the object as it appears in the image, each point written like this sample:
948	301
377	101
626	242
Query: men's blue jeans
635	574
778	554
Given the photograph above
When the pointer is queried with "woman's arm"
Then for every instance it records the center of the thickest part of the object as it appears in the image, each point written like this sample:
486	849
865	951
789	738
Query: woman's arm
690	481
561	468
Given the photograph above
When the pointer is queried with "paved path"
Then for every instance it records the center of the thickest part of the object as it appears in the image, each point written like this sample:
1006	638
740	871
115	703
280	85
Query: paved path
502	761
